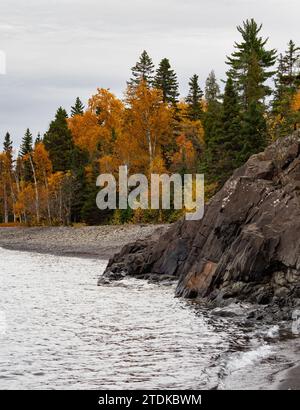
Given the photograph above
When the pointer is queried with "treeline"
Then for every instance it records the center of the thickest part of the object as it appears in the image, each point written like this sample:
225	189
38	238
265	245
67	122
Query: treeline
52	179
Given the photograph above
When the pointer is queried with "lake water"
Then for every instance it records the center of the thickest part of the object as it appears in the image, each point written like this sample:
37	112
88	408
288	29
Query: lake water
58	330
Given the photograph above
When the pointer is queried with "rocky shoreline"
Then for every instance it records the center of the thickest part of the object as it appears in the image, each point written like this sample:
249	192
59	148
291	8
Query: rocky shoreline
247	246
100	242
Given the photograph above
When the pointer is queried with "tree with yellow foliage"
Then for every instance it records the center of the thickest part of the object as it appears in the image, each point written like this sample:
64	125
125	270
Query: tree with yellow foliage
86	132
109	111
148	121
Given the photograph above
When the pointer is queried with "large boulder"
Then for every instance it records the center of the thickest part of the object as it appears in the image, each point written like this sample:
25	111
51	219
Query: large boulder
247	246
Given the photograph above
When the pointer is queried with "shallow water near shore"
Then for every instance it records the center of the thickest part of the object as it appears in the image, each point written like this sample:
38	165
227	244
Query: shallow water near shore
58	330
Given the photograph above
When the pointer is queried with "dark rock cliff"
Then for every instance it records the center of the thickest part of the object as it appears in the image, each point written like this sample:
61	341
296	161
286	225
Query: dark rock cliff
247	246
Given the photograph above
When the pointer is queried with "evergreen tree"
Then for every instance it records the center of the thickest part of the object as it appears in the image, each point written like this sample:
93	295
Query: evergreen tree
212	89
58	142
25	149
291	62
90	213
166	80
8	146
8	151
212	124
213	113
80	160
143	70
26	144
194	99
78	108
231	142
287	82
253	131
250	64
6	169
38	139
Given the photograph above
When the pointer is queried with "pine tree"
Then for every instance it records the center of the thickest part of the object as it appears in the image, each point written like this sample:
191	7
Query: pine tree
166	80
25	149
232	142
291	62
26	144
8	151
250	64
287	82
212	124
143	70
90	213
253	131
78	108
213	113
38	139
79	162
58	142
6	169
194	99
212	89
8	147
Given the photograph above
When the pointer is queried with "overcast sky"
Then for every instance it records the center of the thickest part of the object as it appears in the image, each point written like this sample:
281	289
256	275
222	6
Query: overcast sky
59	49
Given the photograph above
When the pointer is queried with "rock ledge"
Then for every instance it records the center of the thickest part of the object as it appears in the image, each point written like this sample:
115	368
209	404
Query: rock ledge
246	247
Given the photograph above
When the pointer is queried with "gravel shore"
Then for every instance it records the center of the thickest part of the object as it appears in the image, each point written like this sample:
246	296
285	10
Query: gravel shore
99	242
90	241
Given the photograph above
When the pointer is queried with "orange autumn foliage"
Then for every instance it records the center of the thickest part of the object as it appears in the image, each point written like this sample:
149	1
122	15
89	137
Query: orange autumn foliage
148	122
296	102
42	161
109	111
185	157
85	131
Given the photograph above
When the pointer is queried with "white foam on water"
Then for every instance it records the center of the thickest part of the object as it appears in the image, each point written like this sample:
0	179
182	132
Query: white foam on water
249	358
273	332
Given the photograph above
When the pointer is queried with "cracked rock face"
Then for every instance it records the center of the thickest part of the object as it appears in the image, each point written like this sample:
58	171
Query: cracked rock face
247	246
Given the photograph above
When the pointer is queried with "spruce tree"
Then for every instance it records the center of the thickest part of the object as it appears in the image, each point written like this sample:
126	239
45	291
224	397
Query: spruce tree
213	113
166	80
287	81
194	99
78	108
212	89
212	124
90	213
80	160
250	64
253	131
291	62
38	139
58	142
143	70
8	146
25	149
231	142
26	144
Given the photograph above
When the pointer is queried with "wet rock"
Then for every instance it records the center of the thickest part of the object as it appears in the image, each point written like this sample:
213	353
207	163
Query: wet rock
247	246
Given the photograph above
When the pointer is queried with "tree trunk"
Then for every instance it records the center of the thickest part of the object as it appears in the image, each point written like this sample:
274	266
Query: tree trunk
48	201
5	203
37	199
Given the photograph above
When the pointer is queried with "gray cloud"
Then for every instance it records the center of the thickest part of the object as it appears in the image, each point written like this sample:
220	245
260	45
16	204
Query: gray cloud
57	50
